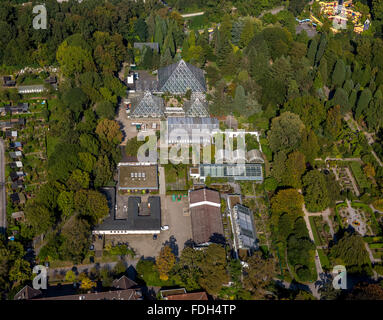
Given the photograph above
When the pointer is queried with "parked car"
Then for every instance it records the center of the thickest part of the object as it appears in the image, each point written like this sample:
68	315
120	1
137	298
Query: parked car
163	228
154	237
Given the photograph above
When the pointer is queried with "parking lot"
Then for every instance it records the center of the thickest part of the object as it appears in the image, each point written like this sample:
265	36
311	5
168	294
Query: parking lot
179	231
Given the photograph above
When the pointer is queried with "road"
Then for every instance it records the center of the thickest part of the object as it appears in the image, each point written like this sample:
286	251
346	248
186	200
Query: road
3	209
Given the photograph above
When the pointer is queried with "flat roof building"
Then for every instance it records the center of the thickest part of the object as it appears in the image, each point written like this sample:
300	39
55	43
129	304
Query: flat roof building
141	215
137	176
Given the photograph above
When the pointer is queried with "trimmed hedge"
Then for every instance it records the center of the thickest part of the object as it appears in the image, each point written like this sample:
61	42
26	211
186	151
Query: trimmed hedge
359	175
378	245
317	238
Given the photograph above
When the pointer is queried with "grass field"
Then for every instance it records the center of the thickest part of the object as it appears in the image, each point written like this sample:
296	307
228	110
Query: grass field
198	22
317	238
323	259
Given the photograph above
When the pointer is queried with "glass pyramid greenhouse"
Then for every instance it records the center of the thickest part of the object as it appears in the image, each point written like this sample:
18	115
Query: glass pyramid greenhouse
148	106
197	106
178	77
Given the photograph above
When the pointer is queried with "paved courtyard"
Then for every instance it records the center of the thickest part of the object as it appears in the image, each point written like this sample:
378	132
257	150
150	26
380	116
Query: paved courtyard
355	218
179	231
128	126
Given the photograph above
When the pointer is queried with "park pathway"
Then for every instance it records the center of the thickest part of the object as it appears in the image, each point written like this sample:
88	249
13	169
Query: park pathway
3	211
162	180
318	265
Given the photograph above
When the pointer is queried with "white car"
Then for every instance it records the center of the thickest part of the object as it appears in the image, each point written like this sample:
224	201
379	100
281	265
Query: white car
163	228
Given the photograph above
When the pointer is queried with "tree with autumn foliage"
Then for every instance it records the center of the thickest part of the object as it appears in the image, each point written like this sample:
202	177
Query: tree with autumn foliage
288	201
165	262
87	284
366	291
369	170
109	132
259	273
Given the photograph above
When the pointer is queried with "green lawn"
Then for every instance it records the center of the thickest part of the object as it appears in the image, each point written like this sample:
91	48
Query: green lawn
323	259
317	238
198	22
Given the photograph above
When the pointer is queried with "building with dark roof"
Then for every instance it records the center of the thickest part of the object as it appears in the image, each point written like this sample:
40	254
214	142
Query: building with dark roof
15	154
11	123
181	294
18	198
179	77
15	145
152	45
21	107
27	293
16	185
52	80
188	296
123	289
5	110
11	134
205	211
16	175
147	105
124	283
134	215
8	82
129	294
